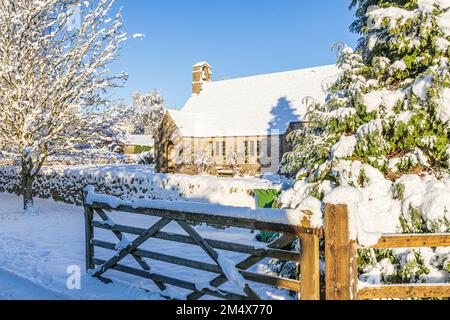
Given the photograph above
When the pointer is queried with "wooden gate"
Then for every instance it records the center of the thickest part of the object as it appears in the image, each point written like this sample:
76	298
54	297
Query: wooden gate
308	285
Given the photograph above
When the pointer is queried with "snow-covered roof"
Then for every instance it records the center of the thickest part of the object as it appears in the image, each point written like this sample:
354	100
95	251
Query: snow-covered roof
201	63
253	106
137	140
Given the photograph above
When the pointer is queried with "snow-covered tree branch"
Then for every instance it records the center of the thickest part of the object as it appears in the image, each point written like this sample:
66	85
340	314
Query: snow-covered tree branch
147	113
54	73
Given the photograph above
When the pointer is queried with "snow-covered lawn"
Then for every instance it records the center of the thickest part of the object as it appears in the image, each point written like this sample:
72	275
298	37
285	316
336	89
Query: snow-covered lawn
37	250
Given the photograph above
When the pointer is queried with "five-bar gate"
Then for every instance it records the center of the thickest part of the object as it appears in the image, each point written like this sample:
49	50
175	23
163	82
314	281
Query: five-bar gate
308	285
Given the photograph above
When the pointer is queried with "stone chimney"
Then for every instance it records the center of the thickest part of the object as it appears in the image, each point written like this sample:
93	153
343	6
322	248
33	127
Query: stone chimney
202	73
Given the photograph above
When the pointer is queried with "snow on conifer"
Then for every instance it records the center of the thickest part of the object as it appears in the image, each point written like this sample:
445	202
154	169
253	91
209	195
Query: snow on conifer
381	142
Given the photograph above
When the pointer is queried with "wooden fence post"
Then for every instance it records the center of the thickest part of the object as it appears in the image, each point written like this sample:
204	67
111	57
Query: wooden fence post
309	267
340	255
89	236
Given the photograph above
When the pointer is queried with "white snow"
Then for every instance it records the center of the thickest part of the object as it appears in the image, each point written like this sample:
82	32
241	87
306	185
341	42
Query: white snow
174	293
421	86
394	15
391	98
348	50
15	287
433	259
232	273
404	117
373	210
288	217
254	105
344	195
369	215
374	99
443	21
139	36
369	128
443	4
345	147
430	5
109	223
436	202
137	140
37	250
123	244
442	44
340	113
140	181
201	64
417	157
377	16
299	198
313	206
111	201
373	41
399	65
200	286
443	109
370	277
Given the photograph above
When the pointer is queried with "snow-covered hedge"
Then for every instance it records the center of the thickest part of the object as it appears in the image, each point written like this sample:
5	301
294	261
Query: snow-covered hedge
129	182
91	157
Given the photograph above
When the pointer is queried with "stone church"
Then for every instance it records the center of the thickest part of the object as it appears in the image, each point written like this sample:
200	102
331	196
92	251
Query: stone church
239	123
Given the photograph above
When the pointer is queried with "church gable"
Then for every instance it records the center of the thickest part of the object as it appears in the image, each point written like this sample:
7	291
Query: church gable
252	106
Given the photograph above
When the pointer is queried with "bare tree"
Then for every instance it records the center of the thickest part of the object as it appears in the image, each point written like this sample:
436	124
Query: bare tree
149	110
203	162
54	73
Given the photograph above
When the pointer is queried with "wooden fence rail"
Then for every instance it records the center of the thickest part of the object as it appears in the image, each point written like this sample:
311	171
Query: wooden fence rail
308	285
341	255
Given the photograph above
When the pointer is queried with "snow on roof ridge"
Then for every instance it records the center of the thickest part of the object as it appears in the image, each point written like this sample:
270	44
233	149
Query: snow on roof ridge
262	75
201	63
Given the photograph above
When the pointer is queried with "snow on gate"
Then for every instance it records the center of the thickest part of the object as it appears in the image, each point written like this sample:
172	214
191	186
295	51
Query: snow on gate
341	252
239	282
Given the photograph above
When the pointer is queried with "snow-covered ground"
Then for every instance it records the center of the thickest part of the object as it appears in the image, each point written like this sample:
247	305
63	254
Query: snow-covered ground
38	250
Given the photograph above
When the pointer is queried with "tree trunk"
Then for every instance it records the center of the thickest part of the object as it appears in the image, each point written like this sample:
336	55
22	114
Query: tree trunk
27	191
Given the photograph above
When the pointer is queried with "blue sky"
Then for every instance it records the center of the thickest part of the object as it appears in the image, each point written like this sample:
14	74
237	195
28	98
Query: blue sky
237	37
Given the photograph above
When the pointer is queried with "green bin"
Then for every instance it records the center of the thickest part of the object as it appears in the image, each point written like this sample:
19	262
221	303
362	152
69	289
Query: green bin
266	199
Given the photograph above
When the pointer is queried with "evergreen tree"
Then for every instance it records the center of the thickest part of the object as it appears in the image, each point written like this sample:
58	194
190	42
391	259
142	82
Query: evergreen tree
361	7
382	138
390	107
